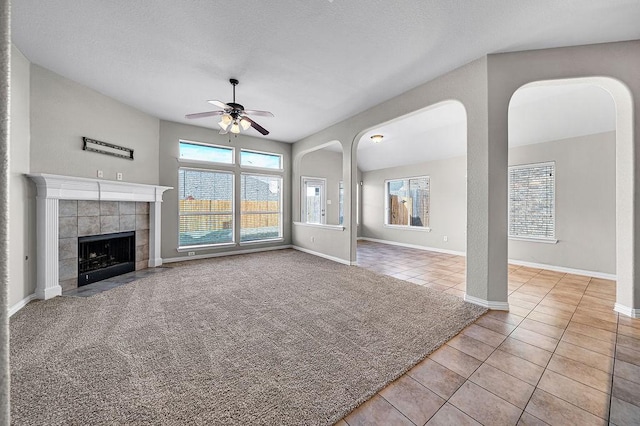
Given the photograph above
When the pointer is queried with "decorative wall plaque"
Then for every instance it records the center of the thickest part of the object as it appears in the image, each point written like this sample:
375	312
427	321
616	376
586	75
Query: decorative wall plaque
106	148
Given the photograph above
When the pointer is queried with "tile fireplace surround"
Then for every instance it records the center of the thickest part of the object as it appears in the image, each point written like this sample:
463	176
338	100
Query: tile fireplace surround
53	188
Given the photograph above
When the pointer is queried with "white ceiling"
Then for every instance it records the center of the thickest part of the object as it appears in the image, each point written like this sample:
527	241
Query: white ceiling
311	63
536	114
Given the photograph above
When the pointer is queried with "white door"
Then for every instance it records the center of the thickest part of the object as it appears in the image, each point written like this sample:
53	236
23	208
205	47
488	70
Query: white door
314	200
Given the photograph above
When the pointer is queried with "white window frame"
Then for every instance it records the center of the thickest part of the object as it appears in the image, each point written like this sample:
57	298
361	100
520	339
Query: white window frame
258	167
303	200
387	207
281	212
206	162
550	240
233	212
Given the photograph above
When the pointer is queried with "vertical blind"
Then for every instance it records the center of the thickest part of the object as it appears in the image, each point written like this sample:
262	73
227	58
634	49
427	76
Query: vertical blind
532	201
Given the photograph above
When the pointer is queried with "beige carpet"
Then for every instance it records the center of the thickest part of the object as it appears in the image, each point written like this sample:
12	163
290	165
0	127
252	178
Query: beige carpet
271	338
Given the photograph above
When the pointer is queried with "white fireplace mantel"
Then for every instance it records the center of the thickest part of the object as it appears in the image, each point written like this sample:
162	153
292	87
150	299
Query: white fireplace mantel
52	188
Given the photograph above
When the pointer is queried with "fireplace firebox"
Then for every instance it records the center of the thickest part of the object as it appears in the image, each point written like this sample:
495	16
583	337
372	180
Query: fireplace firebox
105	256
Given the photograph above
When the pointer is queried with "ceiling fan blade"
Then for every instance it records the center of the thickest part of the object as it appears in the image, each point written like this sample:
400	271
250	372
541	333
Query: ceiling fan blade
256	126
204	114
219	104
256	112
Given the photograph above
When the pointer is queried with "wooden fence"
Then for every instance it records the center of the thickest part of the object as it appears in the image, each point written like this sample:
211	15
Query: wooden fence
248	220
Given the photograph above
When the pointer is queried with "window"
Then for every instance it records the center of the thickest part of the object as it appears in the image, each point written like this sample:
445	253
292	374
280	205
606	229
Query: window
202	152
263	160
532	201
314	200
408	202
206	207
260	207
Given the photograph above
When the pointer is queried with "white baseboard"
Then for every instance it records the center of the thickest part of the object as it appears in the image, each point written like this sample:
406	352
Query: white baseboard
21	304
593	274
625	310
413	246
325	256
497	306
226	253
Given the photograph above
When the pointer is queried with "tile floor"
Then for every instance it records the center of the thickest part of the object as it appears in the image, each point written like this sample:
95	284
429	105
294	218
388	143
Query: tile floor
560	356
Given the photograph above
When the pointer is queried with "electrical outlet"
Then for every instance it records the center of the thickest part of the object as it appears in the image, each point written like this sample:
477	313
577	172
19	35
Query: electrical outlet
445	238
100	174
192	253
119	176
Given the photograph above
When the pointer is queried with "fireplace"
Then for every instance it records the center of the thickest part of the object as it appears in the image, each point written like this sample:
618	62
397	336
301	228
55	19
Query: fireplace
105	256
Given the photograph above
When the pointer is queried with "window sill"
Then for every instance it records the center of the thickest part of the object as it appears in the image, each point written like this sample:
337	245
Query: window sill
182	249
272	240
408	228
535	240
321	226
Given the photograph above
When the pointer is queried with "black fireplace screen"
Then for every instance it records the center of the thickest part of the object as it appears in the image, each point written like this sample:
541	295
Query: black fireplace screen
105	256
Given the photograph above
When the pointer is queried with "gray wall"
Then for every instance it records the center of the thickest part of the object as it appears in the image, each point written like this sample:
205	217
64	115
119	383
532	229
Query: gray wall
585	204
448	204
326	164
170	134
22	192
63	111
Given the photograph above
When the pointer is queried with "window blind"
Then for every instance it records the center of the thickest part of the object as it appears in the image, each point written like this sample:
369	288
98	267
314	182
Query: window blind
532	201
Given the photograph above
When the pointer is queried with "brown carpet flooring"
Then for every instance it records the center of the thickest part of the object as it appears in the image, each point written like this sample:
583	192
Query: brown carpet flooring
271	338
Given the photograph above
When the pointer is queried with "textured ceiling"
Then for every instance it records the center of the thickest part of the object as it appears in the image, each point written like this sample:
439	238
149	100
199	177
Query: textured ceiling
312	63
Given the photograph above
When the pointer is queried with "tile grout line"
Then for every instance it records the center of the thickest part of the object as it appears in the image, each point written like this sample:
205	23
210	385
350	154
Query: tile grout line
537	304
613	367
468	379
554	353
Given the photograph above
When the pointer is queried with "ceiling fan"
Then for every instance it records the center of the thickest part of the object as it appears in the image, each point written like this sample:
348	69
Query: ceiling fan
233	115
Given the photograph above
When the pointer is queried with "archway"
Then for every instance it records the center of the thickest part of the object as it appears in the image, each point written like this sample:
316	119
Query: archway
624	179
412	183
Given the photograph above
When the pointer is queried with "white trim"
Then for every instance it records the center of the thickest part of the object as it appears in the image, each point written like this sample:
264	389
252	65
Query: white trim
21	304
408	228
414	246
303	198
183	249
52	188
535	240
594	274
321	226
625	310
496	306
222	254
325	256
566	270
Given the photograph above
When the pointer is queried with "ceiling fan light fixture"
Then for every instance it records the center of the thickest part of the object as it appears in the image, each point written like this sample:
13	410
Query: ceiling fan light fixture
245	124
226	119
376	138
224	126
235	128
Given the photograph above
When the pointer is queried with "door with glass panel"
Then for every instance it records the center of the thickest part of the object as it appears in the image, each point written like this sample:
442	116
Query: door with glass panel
314	200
